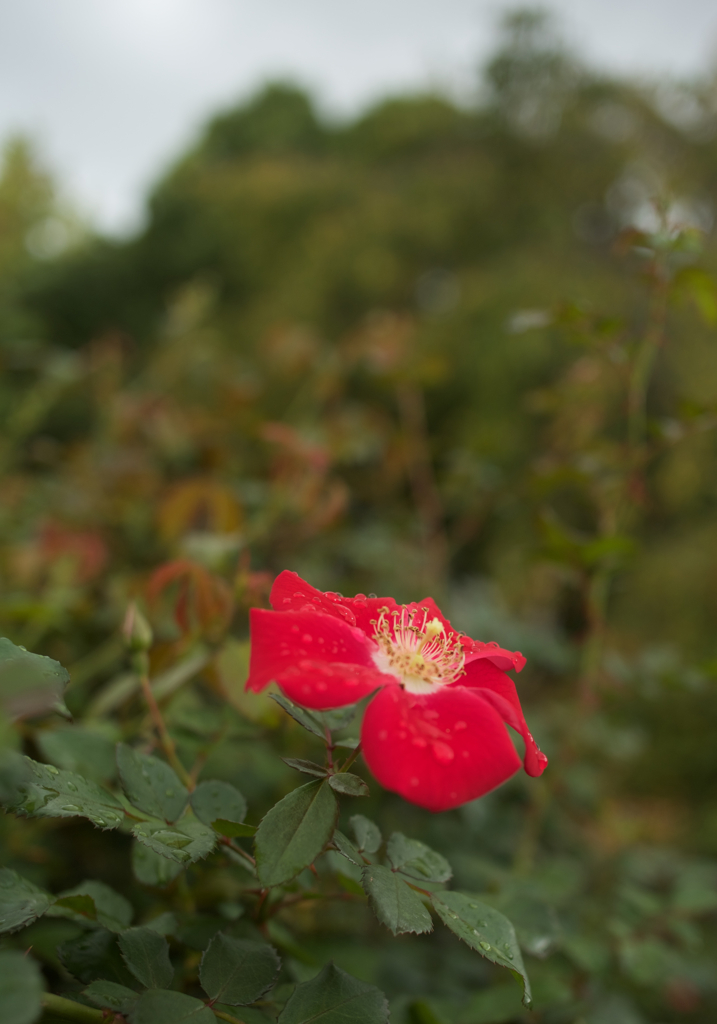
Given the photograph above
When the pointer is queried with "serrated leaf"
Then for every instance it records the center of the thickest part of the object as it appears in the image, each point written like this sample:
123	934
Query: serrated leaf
184	842
307	767
79	906
21	902
336	718
146	954
159	1006
416	860
108	995
41	790
347	848
300	715
335	997
92	955
233	829
294	832
393	902
21	988
150	784
486	930
237	971
349	785
111	909
368	836
214	800
80	750
152	868
30	684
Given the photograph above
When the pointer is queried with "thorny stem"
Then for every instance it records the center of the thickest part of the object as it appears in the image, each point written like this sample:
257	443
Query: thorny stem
350	759
226	841
226	1016
329	748
165	740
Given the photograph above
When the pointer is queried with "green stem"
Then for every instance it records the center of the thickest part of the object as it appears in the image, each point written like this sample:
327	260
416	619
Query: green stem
350	759
76	1011
642	368
226	1016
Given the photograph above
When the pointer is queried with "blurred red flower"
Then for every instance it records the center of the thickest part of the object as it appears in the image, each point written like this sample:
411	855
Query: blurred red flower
435	731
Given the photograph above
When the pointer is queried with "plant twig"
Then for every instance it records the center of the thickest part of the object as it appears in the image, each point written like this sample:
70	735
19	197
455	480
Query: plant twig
165	740
350	759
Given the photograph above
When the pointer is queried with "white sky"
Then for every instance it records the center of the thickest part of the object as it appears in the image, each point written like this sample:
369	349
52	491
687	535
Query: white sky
113	89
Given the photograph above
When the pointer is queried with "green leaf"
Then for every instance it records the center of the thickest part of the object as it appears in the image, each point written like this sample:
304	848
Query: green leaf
185	842
151	868
80	750
79	906
486	930
94	954
111	910
368	836
108	995
41	790
416	860
334	997
300	715
21	988
215	800
347	848
146	953
393	902
30	684
232	829
337	718
236	971
294	832
349	785
150	784
161	1007
21	902
307	767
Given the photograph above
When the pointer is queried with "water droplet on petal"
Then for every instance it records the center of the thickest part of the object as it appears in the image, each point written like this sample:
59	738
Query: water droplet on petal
459	726
373	596
307	638
419	741
442	752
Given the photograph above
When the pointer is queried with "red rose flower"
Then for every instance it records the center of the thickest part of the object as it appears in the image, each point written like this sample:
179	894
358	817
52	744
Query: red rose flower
436	730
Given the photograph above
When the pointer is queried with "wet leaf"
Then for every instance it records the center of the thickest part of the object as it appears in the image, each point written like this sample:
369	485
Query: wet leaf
216	800
307	767
349	785
416	860
294	832
92	955
108	995
111	909
185	842
347	848
300	715
21	902
79	750
150	784
30	684
368	836
394	903
151	868
41	790
486	930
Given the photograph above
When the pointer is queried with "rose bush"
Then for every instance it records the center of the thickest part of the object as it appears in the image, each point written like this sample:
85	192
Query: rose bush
435	731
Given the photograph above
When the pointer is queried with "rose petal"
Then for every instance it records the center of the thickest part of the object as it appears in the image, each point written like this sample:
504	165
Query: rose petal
298	647
291	593
476	650
439	750
499	689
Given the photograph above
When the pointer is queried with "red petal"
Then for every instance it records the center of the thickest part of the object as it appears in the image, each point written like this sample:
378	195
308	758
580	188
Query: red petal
499	689
437	751
308	649
291	593
476	650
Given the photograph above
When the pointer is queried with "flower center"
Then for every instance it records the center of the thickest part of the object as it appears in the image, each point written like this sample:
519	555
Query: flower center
416	650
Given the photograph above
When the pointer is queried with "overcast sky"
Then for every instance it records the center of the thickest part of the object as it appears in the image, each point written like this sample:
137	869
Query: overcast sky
113	89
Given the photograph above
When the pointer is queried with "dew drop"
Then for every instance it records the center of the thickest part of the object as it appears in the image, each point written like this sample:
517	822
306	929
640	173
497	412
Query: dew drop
307	638
72	787
442	752
71	808
484	945
99	821
419	741
51	768
169	792
459	726
373	596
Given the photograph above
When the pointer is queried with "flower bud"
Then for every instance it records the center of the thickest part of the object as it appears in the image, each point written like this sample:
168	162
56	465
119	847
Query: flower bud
136	631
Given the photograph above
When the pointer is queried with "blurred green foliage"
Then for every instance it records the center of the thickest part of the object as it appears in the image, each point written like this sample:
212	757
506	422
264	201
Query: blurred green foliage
398	355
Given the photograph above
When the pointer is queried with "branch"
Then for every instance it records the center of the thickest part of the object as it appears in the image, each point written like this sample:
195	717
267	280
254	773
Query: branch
70	1010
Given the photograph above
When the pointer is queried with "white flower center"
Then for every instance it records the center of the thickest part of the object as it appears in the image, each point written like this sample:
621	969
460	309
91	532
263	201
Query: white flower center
416	650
